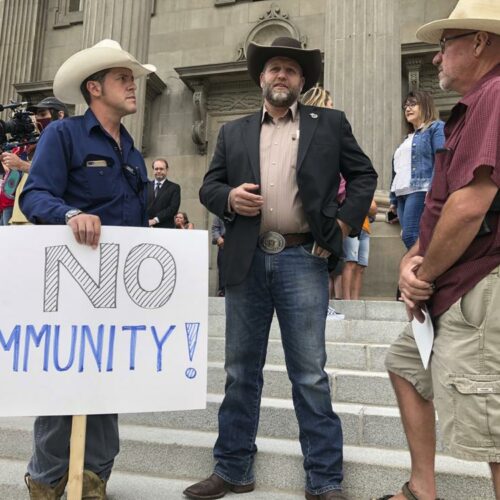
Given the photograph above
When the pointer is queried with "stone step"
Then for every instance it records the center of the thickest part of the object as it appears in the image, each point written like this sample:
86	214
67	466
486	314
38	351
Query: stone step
184	455
357	331
122	486
351	356
379	310
370	426
347	386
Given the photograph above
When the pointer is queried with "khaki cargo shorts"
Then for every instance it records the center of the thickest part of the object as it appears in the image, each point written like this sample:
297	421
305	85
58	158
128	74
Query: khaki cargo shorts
465	368
403	359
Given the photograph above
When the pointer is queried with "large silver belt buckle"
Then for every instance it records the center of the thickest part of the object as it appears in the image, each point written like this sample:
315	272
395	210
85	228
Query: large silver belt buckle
271	242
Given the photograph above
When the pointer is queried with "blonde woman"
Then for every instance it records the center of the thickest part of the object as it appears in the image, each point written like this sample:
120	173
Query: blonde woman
317	96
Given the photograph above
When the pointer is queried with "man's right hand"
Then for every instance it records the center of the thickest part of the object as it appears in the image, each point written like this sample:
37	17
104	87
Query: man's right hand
86	228
244	202
220	242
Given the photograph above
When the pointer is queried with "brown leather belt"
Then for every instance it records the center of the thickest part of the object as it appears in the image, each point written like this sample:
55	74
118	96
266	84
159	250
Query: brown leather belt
273	242
296	239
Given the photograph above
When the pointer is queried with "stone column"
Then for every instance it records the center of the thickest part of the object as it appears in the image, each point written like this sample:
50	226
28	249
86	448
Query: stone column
22	29
128	22
363	72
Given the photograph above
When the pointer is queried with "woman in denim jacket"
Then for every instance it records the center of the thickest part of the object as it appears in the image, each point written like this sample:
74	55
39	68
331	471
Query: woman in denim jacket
413	162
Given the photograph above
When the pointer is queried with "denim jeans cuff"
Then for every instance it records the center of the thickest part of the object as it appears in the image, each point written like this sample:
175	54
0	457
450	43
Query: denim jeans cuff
232	481
325	489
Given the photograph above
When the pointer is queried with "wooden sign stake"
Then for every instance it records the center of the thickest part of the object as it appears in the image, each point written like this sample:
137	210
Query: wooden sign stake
76	457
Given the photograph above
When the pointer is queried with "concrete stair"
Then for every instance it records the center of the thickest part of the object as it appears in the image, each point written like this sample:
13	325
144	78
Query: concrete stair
162	453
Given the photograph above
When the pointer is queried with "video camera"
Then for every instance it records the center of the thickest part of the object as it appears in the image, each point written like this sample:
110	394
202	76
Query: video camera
20	130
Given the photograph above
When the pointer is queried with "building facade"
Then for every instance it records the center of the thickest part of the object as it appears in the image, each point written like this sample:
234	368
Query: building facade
370	55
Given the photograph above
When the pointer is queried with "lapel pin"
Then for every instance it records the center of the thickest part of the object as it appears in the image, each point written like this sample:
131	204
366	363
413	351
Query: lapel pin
313	115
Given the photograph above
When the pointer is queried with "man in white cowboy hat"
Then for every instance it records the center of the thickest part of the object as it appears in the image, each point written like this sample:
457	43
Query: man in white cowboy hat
454	266
86	172
274	179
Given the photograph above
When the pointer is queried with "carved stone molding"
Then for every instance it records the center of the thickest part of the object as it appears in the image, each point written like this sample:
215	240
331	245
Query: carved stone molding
413	66
274	13
272	24
199	129
234	102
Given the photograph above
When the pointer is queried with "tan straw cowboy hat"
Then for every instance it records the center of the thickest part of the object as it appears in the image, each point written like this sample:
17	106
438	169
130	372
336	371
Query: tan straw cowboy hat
480	15
103	55
308	59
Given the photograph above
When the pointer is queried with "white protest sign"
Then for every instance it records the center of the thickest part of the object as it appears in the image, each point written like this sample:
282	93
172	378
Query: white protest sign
122	328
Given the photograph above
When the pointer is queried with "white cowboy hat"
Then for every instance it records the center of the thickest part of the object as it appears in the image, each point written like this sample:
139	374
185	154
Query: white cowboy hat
481	15
103	55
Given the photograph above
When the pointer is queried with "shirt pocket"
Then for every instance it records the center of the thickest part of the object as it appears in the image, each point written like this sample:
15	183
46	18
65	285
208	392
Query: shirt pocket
440	181
99	173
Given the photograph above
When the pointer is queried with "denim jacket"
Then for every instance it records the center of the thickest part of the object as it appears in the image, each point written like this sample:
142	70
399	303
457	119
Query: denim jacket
424	145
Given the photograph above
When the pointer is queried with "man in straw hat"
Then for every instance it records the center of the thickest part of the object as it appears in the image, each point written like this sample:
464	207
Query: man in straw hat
273	180
454	266
86	172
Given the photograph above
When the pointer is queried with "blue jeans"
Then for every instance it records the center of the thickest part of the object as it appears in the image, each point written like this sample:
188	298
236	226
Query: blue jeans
295	284
410	208
51	435
5	216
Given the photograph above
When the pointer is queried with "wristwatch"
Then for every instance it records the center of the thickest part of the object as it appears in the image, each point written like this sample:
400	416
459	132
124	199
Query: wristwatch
71	213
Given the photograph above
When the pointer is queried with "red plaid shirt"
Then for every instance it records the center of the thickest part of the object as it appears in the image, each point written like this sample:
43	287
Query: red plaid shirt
472	140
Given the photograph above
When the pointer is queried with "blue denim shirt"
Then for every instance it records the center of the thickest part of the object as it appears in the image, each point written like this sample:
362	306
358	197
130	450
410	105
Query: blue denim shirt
77	164
424	145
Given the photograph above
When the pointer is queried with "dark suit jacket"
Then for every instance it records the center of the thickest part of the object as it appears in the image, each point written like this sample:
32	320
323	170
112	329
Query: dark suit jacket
327	149
166	204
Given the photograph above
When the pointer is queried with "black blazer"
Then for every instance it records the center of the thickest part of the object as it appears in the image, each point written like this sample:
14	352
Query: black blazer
166	204
327	149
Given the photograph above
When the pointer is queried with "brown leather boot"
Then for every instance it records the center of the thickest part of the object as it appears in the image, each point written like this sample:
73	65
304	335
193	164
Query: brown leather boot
94	488
41	491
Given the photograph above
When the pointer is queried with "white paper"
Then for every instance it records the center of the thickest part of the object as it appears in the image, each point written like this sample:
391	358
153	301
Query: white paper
122	328
424	337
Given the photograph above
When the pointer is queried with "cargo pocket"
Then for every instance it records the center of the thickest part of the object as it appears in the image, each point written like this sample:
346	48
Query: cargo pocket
476	405
475	303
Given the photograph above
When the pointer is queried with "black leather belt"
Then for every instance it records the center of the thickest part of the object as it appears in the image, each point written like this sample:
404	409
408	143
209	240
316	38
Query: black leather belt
273	242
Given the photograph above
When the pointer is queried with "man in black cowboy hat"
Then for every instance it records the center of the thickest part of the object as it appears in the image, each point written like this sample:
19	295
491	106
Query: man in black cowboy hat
273	180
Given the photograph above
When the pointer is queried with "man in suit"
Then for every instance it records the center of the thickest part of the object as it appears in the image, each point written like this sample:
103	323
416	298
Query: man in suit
164	197
273	180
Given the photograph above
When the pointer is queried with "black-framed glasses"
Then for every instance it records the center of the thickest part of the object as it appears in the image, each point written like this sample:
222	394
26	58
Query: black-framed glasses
442	41
409	104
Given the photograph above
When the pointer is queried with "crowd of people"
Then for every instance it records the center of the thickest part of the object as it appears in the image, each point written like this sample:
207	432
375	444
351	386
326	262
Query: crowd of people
292	194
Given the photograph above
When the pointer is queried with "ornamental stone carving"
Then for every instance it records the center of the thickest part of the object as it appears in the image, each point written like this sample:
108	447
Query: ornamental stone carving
199	129
413	66
272	24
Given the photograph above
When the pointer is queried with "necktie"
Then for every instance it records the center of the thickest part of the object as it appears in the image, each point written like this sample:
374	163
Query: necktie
157	188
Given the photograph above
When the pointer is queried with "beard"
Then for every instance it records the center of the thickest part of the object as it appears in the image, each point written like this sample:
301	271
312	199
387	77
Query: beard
444	80
280	99
444	84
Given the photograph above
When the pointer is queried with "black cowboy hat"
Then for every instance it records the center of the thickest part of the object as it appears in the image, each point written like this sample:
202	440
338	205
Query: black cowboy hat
308	59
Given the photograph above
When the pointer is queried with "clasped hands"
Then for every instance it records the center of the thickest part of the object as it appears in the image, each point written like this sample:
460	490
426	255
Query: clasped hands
414	291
